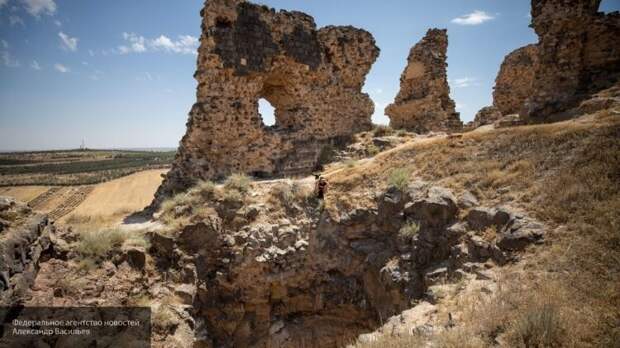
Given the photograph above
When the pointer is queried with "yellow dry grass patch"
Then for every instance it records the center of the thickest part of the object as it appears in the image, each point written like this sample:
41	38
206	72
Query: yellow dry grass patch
113	200
23	193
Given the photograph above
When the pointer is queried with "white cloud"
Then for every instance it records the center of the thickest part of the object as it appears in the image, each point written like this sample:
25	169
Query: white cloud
379	91
58	23
91	53
186	44
475	18
459	107
35	65
39	7
465	82
15	20
61	68
6	58
68	42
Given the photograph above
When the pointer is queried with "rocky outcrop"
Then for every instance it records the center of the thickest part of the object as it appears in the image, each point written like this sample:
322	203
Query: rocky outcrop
513	84
578	55
24	240
320	278
423	103
486	115
313	78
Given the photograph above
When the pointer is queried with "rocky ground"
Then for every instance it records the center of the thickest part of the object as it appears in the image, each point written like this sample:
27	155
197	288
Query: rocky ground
495	237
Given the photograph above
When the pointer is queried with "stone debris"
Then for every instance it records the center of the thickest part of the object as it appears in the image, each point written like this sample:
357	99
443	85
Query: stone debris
423	103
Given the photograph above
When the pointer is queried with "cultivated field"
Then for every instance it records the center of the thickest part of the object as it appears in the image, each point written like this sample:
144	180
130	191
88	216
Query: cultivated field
76	167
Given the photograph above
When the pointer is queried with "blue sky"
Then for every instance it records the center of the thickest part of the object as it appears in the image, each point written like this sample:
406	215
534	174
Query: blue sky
118	73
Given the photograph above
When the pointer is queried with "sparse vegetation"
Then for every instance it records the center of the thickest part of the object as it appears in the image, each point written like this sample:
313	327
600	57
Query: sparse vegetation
290	192
372	150
96	244
409	230
399	178
350	163
380	130
238	182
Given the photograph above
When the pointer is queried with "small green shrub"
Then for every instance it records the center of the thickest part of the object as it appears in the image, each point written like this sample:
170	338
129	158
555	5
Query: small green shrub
399	178
238	182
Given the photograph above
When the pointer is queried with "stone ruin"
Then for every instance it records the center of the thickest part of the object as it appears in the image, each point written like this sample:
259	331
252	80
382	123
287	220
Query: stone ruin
313	78
423	103
577	55
514	81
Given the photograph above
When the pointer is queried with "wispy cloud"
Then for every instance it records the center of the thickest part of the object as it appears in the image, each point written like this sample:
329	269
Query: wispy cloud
68	42
465	82
39	7
15	20
475	18
61	68
35	65
185	44
3	2
5	56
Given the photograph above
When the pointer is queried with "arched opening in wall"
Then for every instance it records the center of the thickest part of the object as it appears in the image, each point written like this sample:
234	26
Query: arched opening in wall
267	112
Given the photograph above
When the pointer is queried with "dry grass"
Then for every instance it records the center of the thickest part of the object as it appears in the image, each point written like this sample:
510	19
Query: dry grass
238	182
399	178
110	202
289	193
409	230
567	175
95	245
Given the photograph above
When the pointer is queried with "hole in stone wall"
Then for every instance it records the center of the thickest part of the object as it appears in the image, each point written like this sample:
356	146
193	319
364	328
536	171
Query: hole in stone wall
267	112
222	23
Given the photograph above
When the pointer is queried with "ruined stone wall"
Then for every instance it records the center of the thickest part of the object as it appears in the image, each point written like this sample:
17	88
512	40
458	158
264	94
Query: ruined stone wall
513	84
423	103
579	55
313	78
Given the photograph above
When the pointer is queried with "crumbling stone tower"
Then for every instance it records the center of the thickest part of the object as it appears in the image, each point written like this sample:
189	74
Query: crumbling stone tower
423	103
313	78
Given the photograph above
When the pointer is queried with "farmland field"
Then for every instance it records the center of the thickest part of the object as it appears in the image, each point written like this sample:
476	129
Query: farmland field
76	167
